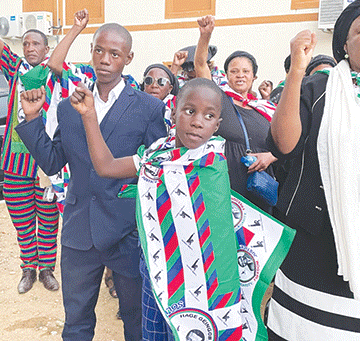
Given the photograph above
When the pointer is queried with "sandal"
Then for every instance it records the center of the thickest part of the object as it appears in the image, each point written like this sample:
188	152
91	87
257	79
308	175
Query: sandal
109	282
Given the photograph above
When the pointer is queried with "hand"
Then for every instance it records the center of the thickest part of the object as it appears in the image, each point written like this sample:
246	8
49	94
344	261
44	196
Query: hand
265	89
82	100
32	101
180	57
302	48
264	160
206	24
81	18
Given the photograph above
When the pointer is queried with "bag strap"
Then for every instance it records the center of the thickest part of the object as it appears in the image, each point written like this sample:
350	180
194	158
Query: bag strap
247	141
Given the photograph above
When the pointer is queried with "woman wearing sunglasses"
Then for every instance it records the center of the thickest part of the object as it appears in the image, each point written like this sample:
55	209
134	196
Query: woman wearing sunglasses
161	83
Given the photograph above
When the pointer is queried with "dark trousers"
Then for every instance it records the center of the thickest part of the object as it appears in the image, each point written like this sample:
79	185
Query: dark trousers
81	273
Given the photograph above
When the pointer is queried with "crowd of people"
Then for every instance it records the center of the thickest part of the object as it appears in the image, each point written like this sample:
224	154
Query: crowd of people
137	153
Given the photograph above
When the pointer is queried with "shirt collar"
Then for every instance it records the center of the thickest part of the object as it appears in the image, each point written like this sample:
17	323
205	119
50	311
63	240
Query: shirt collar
113	94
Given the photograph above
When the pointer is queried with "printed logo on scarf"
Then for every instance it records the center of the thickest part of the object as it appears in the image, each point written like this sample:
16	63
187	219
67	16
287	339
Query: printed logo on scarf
194	325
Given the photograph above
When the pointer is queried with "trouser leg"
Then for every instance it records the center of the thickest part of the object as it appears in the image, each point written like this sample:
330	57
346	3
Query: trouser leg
81	273
19	195
48	219
129	294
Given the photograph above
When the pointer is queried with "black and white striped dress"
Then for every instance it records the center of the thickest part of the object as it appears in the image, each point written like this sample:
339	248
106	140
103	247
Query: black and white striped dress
310	301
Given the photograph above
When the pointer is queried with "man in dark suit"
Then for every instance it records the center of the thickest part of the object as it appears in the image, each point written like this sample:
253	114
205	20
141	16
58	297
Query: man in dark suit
98	228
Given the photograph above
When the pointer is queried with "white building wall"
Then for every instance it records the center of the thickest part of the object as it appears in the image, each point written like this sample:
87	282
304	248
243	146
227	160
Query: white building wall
269	43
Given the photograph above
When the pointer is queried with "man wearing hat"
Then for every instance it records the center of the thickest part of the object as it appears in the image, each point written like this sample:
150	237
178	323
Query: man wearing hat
183	65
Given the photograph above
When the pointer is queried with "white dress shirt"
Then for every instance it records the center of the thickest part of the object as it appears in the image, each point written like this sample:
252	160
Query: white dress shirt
102	107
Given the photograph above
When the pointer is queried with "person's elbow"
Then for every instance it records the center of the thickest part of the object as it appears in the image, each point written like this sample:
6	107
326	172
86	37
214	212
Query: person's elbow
55	68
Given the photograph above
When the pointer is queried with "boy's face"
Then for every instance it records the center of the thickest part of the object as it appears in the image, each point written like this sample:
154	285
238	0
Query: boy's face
110	54
197	117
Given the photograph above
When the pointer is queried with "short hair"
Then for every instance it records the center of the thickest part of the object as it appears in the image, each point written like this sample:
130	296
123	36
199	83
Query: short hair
198	83
33	30
116	28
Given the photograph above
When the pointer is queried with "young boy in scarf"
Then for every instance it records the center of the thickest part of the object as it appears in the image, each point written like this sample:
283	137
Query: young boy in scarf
194	279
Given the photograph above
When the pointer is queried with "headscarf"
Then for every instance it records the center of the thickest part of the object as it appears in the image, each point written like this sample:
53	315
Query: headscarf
173	80
341	29
239	54
318	60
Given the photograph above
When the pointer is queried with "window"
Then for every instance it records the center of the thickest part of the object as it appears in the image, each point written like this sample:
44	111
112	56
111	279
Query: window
301	4
95	8
188	8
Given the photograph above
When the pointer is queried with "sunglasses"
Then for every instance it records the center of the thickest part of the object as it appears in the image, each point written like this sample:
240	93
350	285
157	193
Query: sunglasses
148	80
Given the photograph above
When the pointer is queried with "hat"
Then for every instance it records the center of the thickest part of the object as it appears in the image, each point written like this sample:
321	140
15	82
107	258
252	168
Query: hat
318	60
188	65
342	27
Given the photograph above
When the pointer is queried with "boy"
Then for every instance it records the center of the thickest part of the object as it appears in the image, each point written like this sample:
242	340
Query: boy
98	229
194	279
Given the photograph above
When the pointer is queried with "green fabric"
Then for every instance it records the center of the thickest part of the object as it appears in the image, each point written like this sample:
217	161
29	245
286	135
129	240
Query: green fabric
35	78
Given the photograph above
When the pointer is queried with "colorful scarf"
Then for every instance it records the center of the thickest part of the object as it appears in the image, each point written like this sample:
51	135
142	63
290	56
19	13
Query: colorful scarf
186	221
170	102
338	146
264	107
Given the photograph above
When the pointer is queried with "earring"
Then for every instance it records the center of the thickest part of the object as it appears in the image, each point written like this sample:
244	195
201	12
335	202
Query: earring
346	56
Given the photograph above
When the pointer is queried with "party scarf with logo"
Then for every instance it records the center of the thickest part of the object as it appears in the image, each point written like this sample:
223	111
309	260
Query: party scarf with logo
186	225
264	107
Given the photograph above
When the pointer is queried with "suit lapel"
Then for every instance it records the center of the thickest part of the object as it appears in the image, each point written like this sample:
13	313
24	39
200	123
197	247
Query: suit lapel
117	110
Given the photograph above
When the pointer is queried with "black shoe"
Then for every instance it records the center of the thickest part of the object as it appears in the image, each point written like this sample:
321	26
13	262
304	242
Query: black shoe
27	280
47	278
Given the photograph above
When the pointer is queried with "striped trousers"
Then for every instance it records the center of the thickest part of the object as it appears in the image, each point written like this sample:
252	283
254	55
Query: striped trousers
37	242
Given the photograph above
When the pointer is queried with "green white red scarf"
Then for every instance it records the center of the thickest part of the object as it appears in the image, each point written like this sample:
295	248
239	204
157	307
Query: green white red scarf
186	220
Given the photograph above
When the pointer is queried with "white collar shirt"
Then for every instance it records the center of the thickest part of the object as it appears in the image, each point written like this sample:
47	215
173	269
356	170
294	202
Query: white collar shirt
102	107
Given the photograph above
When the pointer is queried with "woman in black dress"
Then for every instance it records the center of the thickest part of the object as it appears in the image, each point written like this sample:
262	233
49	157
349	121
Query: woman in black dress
240	68
317	125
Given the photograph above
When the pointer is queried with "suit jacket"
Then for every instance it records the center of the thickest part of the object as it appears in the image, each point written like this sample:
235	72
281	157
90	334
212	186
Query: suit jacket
93	215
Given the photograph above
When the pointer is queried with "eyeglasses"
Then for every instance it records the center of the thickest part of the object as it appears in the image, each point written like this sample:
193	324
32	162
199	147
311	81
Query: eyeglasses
148	80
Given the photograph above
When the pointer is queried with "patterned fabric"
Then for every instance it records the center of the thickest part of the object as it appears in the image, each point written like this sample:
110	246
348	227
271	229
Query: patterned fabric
170	102
262	106
356	78
23	197
154	326
184	221
15	156
189	268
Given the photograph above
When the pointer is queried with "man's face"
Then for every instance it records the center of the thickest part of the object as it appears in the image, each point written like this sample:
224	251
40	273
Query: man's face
34	48
110	53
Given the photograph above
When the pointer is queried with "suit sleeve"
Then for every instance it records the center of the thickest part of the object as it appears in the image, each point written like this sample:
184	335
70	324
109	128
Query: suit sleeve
48	153
156	127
